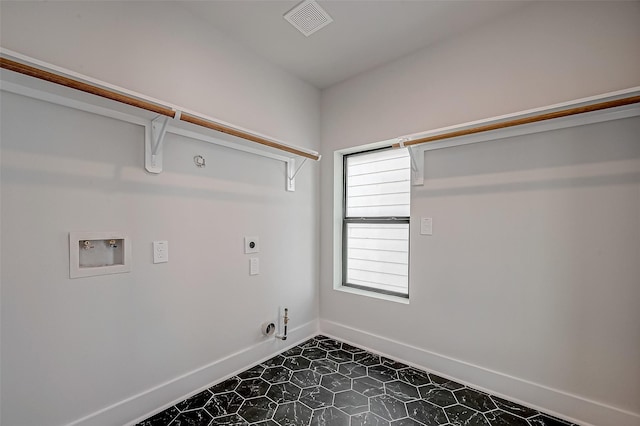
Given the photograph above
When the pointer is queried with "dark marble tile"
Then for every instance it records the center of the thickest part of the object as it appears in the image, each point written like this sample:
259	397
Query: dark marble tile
324	366
393	364
414	377
163	418
445	383
366	358
474	399
351	349
352	370
502	418
368	419
226	386
192	418
514	408
401	390
316	397
408	421
252	373
329	416
437	395
224	404
293	414
257	409
321	337
311	343
314	353
426	413
329	344
340	356
368	386
252	387
265	423
232	420
546	420
306	378
336	382
351	402
327	382
196	401
284	392
461	415
297	363
274	362
294	351
382	373
276	375
388	407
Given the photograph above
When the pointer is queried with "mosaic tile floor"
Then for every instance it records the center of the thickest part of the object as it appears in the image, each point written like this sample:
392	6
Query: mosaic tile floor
324	382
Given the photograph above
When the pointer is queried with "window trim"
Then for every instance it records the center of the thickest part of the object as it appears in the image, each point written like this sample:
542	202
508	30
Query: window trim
377	219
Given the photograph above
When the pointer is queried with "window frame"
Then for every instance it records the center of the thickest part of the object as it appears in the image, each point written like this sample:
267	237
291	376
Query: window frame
371	220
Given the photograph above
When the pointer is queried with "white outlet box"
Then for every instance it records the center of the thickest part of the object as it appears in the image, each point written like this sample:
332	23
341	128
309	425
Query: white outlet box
160	251
98	253
251	245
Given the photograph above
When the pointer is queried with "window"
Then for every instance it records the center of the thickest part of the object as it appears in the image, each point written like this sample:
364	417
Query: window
377	196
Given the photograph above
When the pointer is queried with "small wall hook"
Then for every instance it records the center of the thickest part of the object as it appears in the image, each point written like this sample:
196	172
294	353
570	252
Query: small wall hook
199	161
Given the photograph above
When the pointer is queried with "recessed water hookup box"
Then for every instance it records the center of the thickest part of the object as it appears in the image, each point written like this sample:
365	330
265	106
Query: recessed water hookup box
98	253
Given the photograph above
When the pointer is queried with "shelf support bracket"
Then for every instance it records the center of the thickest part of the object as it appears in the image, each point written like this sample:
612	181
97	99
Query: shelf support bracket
292	172
154	134
417	162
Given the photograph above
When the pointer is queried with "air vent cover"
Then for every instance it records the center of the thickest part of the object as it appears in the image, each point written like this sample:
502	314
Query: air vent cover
308	17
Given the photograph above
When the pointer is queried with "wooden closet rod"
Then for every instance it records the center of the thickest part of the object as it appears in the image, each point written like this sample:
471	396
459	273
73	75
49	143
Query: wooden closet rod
526	120
149	106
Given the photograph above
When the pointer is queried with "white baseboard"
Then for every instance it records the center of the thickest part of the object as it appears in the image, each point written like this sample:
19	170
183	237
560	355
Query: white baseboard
558	403
141	406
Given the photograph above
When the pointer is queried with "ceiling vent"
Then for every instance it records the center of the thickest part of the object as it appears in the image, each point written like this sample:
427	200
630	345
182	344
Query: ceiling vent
308	17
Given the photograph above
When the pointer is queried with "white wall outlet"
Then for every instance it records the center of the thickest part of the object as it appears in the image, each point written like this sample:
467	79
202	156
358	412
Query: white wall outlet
160	251
254	266
426	226
251	245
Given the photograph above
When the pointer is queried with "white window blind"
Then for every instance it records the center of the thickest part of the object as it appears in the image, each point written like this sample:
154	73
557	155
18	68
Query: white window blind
378	184
376	222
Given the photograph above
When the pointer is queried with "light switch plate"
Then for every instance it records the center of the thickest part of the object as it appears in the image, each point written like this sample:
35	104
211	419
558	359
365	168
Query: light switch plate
160	251
426	226
254	266
251	245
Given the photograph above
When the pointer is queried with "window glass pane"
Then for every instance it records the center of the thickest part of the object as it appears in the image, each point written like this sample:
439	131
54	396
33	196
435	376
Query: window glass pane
378	184
377	256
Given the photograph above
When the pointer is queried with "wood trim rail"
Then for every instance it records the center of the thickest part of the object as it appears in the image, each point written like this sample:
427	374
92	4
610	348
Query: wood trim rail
244	135
525	120
62	80
83	87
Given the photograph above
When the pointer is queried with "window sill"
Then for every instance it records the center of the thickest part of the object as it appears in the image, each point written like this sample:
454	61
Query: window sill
372	294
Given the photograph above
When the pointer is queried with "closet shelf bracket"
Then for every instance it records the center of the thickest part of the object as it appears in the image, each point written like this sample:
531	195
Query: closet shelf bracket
417	162
292	171
154	134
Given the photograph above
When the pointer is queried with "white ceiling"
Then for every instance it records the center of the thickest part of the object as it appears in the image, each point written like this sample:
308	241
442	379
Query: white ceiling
364	34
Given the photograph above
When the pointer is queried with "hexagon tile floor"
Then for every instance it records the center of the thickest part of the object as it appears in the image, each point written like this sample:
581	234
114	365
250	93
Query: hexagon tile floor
324	382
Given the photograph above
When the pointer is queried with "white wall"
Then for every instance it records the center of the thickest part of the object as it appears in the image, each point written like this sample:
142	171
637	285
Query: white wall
73	347
529	285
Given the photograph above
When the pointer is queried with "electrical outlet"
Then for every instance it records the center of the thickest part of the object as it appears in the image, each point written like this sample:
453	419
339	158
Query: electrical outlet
426	226
160	251
251	245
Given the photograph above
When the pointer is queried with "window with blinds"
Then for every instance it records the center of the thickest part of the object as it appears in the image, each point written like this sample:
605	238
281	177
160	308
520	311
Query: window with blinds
377	197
